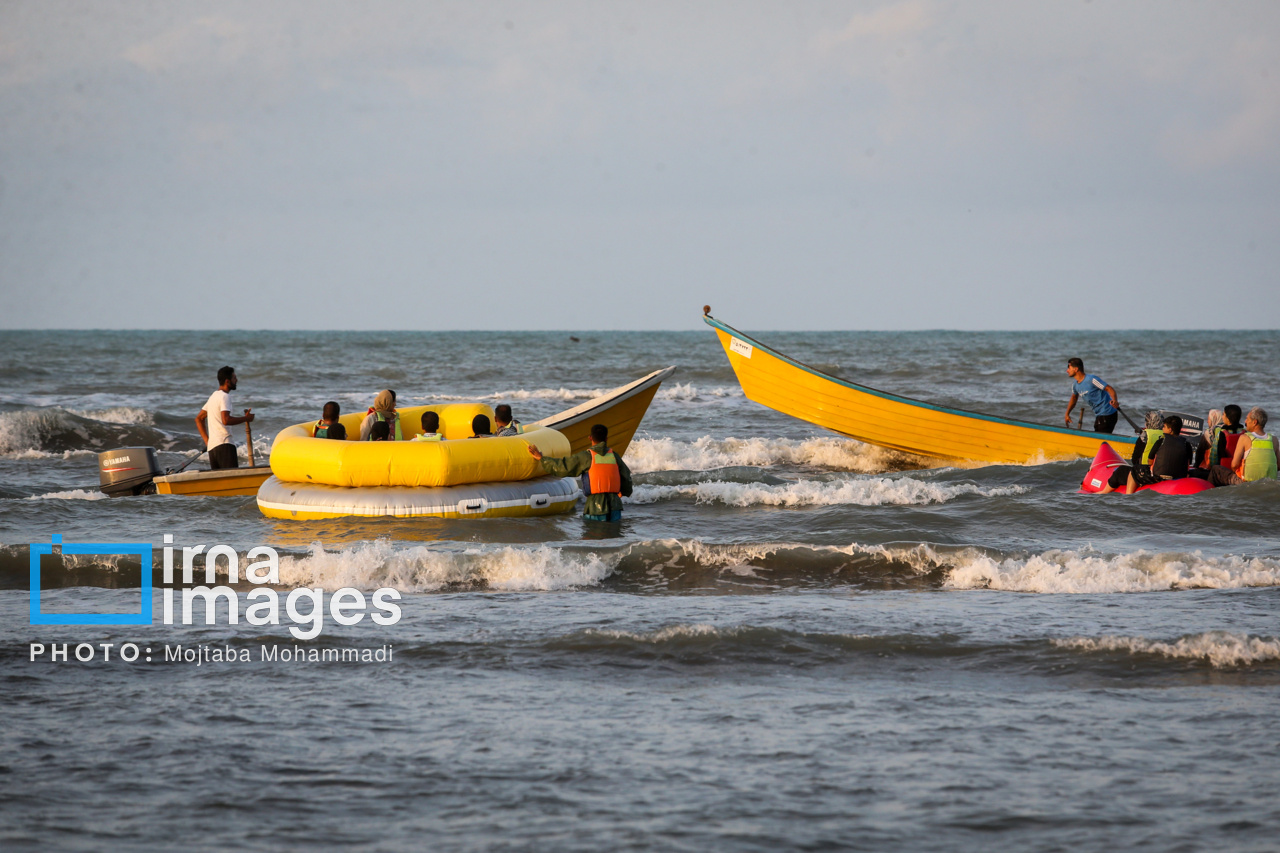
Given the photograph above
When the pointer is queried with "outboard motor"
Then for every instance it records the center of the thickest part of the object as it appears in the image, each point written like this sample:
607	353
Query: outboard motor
127	471
1192	425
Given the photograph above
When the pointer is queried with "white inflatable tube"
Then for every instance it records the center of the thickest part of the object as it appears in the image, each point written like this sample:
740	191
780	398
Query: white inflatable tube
541	496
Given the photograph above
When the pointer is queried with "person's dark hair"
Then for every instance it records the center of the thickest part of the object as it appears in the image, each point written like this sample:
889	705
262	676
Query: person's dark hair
1174	423
1076	363
1232	413
392	392
430	422
225	373
599	434
480	425
331	411
502	413
381	431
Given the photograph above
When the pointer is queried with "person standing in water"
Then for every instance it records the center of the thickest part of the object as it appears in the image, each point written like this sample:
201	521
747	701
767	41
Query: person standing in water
606	479
1100	396
214	419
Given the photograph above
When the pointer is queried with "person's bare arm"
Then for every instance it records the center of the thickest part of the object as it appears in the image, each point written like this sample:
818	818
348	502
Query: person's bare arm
200	419
1115	401
1242	446
232	420
1071	404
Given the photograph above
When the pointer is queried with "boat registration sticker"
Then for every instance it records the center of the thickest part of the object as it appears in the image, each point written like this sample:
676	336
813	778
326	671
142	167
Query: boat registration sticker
742	348
1097	484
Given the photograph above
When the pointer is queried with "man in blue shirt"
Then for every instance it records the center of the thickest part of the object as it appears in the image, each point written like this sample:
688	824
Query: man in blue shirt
1100	396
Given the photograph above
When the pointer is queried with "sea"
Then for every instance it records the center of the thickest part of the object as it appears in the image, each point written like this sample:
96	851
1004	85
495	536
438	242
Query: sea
793	641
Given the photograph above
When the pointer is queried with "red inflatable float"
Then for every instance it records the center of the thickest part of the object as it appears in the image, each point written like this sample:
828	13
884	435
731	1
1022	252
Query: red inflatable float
1108	460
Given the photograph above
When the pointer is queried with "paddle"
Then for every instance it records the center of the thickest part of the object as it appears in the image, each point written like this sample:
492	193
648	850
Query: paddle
1136	428
248	437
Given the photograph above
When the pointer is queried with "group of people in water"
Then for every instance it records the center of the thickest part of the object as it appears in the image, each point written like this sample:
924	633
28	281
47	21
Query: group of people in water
1227	453
606	479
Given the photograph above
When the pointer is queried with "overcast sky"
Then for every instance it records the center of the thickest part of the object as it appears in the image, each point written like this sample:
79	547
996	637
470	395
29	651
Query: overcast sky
555	165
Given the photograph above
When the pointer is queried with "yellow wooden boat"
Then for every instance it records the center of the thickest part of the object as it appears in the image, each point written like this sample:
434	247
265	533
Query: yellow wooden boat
621	410
780	382
225	482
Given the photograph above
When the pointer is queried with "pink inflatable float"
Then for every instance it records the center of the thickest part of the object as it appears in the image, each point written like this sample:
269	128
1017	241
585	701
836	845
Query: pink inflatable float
1108	460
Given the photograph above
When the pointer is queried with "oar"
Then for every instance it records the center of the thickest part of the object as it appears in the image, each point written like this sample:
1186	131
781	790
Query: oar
248	437
1136	428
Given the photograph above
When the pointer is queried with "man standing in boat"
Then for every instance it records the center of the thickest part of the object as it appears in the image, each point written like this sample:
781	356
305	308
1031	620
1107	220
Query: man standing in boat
216	414
1100	396
605	477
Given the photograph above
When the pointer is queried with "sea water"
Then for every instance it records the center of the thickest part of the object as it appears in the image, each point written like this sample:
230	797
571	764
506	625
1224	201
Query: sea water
793	641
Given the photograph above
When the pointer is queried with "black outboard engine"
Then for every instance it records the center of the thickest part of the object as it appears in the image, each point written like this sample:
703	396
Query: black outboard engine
127	471
1192	425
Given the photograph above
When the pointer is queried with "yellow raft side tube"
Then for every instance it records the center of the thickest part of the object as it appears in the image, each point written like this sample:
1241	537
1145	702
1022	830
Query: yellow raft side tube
298	457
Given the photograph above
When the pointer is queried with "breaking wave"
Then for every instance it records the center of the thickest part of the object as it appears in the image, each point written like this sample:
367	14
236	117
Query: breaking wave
876	491
707	453
425	569
73	495
36	433
1220	649
1067	571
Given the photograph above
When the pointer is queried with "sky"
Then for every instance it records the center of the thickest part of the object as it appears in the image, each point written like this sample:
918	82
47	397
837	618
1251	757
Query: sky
600	165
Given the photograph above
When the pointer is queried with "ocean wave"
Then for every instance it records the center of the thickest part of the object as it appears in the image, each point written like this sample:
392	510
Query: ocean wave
1067	571
45	433
117	415
73	495
707	453
431	569
677	392
1220	649
876	491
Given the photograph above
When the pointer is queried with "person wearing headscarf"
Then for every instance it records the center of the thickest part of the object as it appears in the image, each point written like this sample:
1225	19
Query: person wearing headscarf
1142	451
384	409
1200	465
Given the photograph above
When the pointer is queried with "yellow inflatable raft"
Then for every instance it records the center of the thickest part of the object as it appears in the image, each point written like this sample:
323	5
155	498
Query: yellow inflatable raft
298	457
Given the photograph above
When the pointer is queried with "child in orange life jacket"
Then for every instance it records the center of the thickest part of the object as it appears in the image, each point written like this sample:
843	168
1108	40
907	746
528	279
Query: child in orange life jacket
607	479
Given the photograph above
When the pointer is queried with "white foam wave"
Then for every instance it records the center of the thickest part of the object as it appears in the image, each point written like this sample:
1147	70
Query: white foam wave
662	635
117	415
427	569
1219	648
706	453
73	495
876	491
1066	571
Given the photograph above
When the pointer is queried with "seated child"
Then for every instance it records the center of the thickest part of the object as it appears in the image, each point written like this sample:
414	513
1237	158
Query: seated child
430	428
328	426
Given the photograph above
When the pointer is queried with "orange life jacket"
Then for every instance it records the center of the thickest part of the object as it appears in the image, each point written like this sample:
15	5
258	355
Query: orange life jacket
603	477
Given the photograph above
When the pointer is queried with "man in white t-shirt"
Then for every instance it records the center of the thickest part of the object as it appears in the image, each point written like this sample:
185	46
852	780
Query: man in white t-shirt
216	414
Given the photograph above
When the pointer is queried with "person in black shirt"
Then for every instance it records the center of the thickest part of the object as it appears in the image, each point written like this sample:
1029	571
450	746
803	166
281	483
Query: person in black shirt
1170	458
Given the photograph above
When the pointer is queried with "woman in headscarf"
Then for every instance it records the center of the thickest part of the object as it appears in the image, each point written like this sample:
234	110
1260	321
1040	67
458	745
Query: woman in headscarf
1200	465
384	409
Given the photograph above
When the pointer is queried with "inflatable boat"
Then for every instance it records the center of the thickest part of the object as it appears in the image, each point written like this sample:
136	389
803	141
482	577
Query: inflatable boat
458	476
1107	460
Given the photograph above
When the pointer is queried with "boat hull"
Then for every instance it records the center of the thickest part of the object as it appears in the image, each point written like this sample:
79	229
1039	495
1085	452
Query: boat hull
225	482
888	420
621	410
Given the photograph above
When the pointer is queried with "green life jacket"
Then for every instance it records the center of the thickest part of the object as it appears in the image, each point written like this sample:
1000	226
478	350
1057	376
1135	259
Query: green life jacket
1260	464
321	430
379	416
1153	435
428	436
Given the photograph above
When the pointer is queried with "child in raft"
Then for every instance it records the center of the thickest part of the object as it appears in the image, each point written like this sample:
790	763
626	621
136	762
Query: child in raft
328	426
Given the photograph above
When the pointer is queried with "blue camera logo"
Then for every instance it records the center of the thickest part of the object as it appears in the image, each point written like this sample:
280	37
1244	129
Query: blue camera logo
140	549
